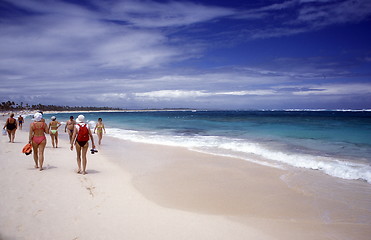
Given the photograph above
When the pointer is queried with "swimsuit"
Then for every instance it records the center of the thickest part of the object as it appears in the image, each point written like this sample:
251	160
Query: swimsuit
69	122
54	131
99	129
82	143
38	139
11	126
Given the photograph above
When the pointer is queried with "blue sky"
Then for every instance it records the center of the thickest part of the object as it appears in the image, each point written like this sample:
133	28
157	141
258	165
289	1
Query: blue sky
196	54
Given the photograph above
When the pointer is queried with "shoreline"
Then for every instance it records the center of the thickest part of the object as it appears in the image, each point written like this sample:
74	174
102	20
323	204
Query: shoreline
141	191
29	112
99	111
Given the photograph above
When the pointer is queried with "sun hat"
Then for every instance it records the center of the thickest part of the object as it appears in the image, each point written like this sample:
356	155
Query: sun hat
37	117
53	118
80	119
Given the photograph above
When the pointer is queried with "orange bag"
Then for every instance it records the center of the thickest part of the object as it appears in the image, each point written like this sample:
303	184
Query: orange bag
27	149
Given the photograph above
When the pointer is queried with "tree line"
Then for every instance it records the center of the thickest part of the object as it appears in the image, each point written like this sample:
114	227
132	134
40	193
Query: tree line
12	106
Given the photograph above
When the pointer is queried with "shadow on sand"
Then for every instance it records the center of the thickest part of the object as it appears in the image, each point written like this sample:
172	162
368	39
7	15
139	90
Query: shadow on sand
92	171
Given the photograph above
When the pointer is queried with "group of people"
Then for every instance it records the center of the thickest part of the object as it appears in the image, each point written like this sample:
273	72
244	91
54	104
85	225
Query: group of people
79	135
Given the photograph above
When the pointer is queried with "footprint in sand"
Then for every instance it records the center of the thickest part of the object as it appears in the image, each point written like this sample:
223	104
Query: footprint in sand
38	212
88	186
19	228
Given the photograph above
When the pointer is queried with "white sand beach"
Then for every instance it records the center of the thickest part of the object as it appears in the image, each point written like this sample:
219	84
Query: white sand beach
140	191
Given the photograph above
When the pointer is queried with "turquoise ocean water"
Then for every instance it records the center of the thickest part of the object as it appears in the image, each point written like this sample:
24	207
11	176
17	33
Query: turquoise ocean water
335	142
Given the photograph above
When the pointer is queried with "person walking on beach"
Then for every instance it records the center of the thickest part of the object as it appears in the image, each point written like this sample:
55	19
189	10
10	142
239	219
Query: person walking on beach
11	127
80	139
53	129
20	122
99	127
38	140
70	125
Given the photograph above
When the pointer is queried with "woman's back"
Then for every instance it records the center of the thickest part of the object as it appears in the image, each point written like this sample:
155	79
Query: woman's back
11	120
54	125
38	128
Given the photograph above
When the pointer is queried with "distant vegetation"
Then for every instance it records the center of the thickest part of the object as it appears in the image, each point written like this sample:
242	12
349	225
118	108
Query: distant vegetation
12	106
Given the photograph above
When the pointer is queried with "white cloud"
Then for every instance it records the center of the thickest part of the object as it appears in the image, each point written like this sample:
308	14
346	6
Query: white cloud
120	52
48	7
334	89
68	40
169	94
334	13
279	90
262	92
113	97
153	14
173	94
300	16
135	50
61	46
278	6
317	1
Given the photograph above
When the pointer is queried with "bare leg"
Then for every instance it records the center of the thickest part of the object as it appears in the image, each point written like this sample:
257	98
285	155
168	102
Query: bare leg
56	140
13	135
78	152
41	154
100	136
70	134
35	148
10	135
84	159
52	136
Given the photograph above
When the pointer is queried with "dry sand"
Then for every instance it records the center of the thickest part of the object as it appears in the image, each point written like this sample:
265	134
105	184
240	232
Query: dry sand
139	191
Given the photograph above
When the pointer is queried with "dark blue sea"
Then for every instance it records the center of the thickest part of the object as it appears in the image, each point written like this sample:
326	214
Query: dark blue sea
335	142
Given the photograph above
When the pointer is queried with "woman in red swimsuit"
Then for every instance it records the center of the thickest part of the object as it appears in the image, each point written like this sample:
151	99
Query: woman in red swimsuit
38	140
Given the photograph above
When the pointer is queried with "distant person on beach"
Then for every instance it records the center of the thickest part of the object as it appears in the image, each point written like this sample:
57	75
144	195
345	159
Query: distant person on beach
53	130
99	127
20	122
11	127
38	140
70	126
80	139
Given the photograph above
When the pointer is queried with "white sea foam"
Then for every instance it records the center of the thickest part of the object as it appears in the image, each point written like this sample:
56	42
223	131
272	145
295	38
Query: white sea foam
252	151
91	124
